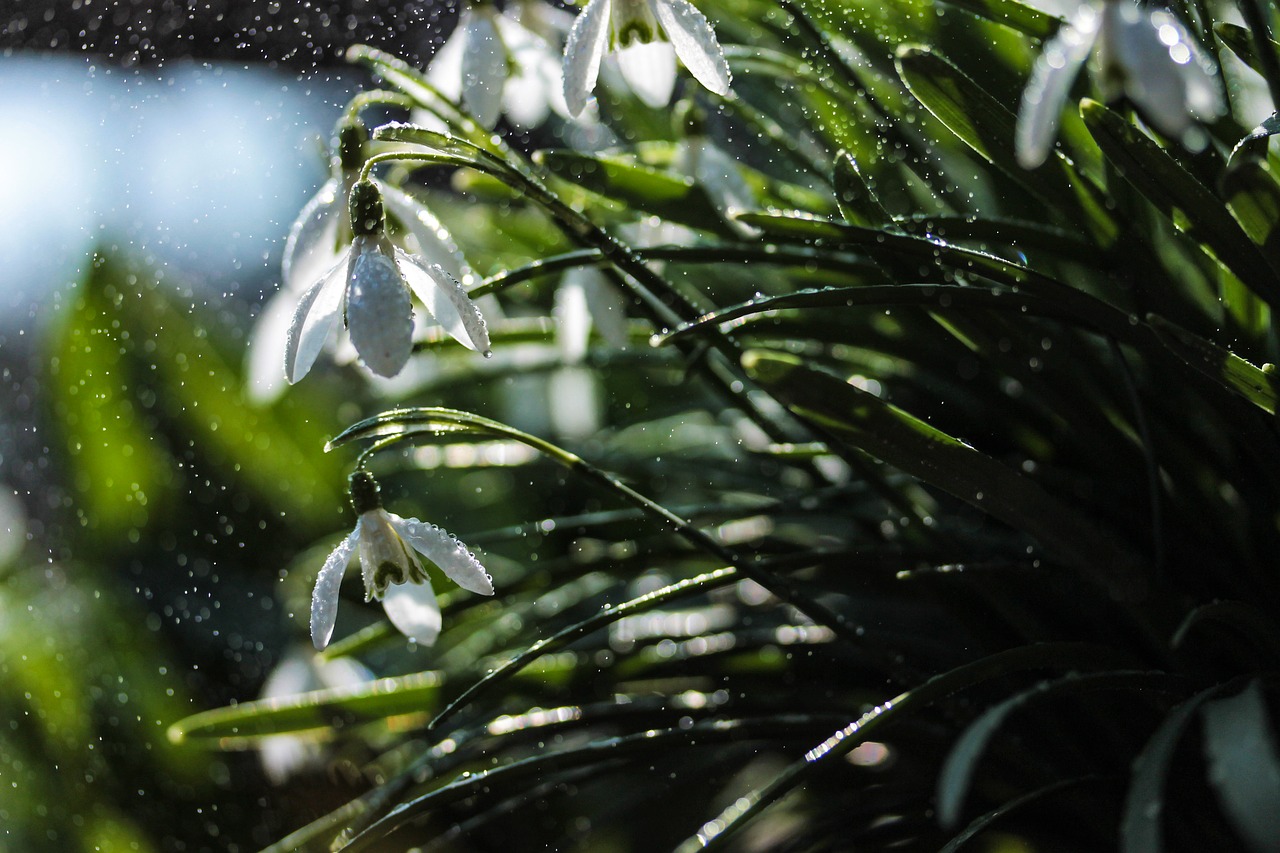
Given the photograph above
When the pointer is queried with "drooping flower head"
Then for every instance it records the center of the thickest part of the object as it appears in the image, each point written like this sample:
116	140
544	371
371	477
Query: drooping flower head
388	547
646	36
1143	54
320	236
369	287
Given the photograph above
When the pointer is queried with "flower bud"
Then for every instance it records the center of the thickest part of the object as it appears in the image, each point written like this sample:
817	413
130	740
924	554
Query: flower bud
366	209
365	495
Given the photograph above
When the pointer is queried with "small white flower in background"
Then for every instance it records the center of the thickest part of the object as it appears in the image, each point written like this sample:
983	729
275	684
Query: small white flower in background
646	36
392	572
499	63
369	286
317	239
584	300
301	670
1143	54
714	170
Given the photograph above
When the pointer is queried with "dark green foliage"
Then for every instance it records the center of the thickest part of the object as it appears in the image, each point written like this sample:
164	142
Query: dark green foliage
933	503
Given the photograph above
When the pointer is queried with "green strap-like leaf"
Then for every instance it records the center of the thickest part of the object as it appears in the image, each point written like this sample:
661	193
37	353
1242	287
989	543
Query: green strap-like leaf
663	194
387	697
1012	14
1142	823
1224	367
985	821
856	194
913	446
1078	656
987	126
1242	44
1253	195
1244	767
962	762
1168	186
935	297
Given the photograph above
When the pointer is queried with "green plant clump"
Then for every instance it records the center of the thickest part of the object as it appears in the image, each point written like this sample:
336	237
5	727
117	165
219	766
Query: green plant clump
877	446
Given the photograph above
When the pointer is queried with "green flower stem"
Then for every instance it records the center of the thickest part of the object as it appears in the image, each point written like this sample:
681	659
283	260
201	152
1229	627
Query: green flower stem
425	159
376	97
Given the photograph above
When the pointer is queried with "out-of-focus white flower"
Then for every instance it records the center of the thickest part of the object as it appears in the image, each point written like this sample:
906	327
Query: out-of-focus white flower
1143	54
584	300
714	170
369	286
391	570
318	238
301	671
502	63
646	36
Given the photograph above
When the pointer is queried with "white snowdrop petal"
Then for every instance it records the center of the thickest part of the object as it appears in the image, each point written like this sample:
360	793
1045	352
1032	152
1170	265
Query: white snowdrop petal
695	43
1140	60
535	83
582	53
1198	91
284	755
313	240
447	301
324	598
379	310
650	70
412	608
606	304
435	243
314	318
264	360
484	69
1046	92
446	552
573	318
445	70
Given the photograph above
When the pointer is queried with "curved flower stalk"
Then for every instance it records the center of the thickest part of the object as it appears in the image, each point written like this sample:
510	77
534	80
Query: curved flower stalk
498	63
369	285
1144	54
646	36
392	572
318	238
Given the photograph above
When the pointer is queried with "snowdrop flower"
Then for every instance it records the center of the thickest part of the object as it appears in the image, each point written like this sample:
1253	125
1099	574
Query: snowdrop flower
316	241
392	572
300	671
369	286
646	36
495	63
1141	53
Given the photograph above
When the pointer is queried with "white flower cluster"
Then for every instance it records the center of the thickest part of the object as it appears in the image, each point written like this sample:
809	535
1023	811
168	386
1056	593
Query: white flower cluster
509	63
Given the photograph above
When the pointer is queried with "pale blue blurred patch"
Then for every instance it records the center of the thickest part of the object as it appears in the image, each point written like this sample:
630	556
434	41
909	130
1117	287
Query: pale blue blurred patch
199	169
